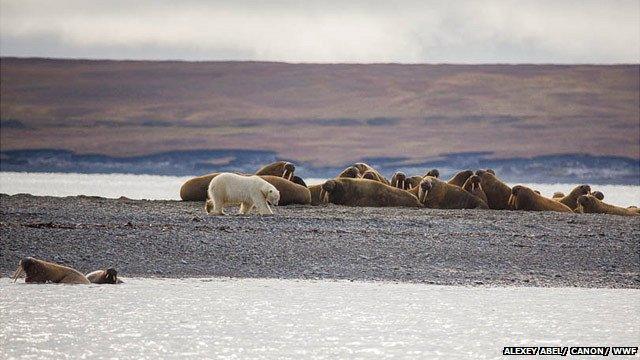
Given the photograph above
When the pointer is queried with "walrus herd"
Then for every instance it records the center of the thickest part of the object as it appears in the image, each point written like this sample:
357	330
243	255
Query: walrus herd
362	185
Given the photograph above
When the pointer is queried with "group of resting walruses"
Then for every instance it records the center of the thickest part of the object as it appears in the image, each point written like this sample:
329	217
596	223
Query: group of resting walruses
362	185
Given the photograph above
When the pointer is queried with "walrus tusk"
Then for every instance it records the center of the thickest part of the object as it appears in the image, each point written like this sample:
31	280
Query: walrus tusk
284	173
512	202
402	184
18	272
290	176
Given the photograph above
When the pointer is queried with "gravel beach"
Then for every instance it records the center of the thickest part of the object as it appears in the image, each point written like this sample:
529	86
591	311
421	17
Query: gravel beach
464	247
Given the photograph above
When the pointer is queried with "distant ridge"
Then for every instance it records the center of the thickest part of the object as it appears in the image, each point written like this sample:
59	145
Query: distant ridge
325	115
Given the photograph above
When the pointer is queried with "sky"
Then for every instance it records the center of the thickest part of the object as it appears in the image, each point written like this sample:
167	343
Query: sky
422	31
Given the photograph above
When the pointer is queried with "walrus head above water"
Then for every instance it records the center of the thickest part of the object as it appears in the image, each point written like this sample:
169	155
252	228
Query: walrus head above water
111	276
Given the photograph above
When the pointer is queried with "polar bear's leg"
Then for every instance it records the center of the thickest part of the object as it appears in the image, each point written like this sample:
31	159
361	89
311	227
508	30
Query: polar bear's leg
218	205
245	208
261	204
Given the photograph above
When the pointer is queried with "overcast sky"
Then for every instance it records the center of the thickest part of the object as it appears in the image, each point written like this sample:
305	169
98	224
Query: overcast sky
421	31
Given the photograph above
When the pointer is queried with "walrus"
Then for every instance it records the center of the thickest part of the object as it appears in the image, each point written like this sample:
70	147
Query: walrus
399	180
318	195
498	193
632	208
523	198
591	204
571	200
40	271
350	172
558	195
433	173
370	175
459	178
414	181
298	180
363	168
598	194
283	169
290	192
109	276
473	186
437	194
195	189
365	192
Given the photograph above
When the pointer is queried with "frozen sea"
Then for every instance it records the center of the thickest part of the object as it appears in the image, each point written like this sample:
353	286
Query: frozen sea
154	187
269	319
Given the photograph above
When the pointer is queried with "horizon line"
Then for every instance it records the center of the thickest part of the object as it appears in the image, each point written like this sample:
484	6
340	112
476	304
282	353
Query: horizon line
314	63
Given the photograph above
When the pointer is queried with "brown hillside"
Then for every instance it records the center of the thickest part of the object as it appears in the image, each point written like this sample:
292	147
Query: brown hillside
328	114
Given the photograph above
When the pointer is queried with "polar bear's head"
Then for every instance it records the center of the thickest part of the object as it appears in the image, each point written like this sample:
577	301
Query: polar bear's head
271	194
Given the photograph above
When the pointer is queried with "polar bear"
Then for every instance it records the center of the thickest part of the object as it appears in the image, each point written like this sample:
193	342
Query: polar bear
248	191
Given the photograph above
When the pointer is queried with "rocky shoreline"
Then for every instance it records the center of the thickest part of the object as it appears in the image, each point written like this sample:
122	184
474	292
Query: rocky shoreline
144	238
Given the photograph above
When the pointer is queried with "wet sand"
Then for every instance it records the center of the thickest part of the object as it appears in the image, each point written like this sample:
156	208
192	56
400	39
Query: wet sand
463	247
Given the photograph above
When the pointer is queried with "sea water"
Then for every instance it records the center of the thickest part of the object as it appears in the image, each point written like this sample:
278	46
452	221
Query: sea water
264	318
155	187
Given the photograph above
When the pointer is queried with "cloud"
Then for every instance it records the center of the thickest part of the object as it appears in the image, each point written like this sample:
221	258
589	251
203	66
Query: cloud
328	31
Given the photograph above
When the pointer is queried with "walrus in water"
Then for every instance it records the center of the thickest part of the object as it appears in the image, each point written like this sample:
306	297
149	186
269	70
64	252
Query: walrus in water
523	198
318	195
590	204
433	173
459	178
571	200
109	276
498	193
290	192
399	180
364	192
437	194
473	186
195	189
40	271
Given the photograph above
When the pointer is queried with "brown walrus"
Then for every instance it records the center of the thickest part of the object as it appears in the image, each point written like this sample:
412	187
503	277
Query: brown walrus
350	172
498	193
109	276
414	181
40	271
283	169
558	195
437	194
399	180
590	204
571	200
459	178
298	180
364	192
318	195
290	192
523	198
598	194
433	173
363	168
473	186
195	189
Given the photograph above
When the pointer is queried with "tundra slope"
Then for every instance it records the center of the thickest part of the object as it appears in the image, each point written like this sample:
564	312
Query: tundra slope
465	247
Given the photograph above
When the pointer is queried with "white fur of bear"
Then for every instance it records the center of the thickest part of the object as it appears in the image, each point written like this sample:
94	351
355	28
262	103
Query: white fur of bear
247	191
